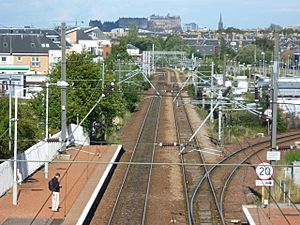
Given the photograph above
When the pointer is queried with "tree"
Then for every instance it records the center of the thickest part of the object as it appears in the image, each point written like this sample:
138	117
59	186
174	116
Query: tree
175	43
273	27
118	51
247	54
30	128
225	50
132	33
230	30
83	91
265	44
146	43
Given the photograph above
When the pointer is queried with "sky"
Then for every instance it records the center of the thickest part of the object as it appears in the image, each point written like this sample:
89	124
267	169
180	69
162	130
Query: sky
206	13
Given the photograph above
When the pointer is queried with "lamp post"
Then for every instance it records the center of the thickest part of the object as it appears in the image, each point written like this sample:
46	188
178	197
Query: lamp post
63	89
15	184
263	55
260	66
46	131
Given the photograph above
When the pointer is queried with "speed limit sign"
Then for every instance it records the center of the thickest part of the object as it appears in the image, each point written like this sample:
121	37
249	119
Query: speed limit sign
264	171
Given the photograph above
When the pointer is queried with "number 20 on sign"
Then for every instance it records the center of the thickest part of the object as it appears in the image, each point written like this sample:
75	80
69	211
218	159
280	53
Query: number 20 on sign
264	171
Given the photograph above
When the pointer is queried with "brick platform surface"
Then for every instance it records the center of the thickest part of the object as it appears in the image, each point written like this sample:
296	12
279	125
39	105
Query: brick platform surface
78	180
273	216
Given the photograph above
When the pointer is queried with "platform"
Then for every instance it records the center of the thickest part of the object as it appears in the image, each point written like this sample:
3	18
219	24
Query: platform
272	215
78	181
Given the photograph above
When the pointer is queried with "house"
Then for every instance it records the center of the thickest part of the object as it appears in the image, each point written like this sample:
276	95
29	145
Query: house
28	50
89	39
133	51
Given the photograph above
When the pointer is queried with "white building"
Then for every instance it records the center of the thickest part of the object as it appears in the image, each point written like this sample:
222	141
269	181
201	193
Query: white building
91	40
133	51
54	58
242	85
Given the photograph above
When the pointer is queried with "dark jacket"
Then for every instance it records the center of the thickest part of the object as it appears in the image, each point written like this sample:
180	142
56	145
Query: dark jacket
55	184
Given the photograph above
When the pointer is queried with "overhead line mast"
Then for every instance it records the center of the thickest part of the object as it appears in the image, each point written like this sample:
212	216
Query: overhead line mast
63	88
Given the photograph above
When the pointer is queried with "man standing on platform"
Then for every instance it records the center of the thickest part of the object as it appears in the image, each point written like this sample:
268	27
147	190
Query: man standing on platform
55	187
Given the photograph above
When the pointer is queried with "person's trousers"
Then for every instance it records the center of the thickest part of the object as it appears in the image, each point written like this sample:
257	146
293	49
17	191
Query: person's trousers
55	201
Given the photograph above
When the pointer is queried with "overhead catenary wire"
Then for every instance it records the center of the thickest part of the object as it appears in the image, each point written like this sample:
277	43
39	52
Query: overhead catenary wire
277	183
143	163
4	133
256	154
64	175
73	88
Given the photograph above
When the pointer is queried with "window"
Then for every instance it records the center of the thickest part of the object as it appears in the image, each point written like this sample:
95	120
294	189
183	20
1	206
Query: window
56	59
3	59
19	59
35	61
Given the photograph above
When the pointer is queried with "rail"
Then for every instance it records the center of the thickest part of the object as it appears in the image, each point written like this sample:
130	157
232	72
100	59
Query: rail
184	170
131	203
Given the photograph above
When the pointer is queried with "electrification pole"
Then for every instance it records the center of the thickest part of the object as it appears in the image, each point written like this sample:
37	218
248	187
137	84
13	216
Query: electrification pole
10	117
10	100
224	70
63	88
274	89
220	125
275	92
153	59
194	74
103	67
149	63
120	78
211	90
46	131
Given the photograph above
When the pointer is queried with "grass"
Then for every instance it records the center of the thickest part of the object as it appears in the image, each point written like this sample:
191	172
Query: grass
115	136
280	177
236	133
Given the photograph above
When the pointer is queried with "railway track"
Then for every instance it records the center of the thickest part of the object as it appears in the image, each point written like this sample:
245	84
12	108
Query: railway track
206	201
205	209
131	204
223	175
249	152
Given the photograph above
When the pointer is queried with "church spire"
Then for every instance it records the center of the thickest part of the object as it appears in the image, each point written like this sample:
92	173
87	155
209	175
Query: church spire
220	25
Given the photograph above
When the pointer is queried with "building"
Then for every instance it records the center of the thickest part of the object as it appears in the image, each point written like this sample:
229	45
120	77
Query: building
204	46
133	51
141	23
95	23
190	27
167	23
220	24
28	50
288	87
90	39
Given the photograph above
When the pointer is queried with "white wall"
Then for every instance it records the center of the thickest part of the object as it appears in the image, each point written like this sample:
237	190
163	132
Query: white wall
54	57
9	59
133	52
37	153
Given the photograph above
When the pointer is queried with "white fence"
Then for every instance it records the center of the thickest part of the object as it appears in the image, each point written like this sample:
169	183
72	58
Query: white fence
38	152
